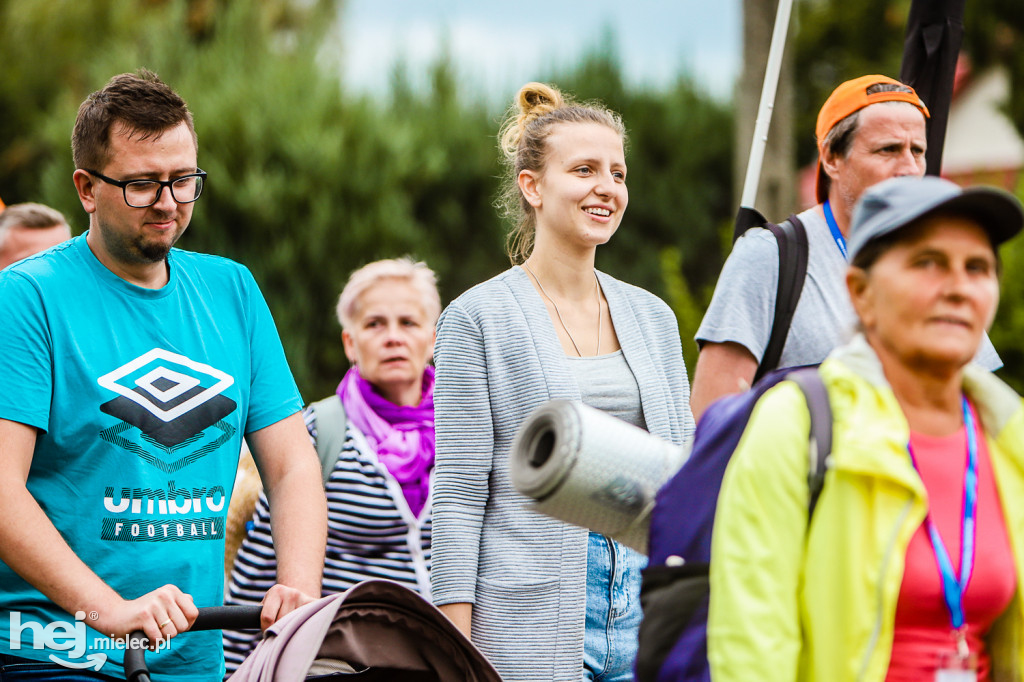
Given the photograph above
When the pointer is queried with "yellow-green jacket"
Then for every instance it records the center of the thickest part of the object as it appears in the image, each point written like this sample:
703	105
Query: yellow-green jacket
820	606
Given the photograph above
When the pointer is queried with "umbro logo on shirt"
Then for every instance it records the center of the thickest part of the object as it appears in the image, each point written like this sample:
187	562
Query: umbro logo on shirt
171	401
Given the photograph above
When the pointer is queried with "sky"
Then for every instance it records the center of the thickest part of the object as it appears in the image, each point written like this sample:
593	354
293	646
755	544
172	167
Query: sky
499	46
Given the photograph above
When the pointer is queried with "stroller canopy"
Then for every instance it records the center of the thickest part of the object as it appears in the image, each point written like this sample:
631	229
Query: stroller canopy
377	626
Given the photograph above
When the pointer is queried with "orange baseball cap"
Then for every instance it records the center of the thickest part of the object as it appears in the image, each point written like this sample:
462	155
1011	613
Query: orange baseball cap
849	97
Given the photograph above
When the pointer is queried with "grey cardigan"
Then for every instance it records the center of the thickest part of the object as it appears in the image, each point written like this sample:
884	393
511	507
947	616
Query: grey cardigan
498	358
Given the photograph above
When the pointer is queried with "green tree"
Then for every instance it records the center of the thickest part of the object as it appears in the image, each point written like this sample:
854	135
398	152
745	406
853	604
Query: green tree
993	31
835	41
308	182
1008	329
680	172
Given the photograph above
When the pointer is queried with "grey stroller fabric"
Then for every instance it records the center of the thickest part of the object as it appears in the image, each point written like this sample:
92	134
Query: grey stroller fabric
377	630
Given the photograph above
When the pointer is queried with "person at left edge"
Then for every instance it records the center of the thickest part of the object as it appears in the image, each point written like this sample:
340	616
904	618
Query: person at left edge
29	228
129	373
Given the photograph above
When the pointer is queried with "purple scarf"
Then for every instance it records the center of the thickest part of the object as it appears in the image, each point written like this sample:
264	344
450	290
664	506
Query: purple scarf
403	437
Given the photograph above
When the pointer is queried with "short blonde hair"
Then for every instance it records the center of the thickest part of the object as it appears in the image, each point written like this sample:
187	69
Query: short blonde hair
416	273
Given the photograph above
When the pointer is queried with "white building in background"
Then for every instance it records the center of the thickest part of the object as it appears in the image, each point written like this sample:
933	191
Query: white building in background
982	145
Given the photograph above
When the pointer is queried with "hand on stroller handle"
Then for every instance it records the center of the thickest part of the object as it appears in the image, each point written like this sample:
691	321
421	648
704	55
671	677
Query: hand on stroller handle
379	629
241	617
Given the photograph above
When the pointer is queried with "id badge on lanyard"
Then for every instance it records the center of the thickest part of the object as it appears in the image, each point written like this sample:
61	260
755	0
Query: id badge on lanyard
959	665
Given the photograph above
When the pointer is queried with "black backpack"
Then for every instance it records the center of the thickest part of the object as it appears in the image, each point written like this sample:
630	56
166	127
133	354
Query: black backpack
674	596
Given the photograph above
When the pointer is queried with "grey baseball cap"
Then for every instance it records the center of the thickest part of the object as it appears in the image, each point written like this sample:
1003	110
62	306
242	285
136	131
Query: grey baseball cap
898	202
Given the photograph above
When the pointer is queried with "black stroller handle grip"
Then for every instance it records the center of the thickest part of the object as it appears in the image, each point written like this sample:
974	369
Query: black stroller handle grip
238	617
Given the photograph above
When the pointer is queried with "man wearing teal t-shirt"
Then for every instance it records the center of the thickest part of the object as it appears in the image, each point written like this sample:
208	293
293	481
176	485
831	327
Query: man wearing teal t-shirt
129	373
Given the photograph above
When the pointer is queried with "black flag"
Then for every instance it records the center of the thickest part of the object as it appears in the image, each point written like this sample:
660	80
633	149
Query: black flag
935	29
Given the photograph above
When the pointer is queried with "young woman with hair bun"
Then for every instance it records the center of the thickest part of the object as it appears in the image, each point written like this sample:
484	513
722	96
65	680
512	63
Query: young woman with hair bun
545	600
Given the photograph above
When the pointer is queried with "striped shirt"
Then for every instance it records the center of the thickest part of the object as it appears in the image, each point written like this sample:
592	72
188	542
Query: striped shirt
371	534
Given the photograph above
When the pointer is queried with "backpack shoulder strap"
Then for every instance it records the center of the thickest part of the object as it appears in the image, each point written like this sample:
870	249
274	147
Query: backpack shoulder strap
809	381
746	218
331	423
791	237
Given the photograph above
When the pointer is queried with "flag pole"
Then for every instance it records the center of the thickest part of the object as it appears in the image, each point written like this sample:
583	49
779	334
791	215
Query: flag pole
767	104
935	30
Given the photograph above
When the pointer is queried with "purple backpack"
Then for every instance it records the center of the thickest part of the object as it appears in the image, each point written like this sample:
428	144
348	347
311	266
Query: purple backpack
673	634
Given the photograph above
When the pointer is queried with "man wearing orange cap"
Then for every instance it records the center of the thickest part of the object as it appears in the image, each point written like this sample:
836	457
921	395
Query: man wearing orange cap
870	129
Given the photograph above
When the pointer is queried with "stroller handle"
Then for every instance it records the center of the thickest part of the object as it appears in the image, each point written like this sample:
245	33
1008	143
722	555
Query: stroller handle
233	617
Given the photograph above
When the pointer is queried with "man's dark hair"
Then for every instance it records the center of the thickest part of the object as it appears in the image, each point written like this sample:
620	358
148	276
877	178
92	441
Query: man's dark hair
141	102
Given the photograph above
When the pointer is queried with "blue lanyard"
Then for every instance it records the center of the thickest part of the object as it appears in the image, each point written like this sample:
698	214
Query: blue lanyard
953	589
834	227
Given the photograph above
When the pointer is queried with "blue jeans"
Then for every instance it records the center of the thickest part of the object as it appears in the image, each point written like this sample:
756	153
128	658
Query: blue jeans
14	669
613	610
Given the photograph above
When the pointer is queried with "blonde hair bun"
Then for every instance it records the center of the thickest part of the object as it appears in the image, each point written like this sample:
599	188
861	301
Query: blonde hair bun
533	101
537	99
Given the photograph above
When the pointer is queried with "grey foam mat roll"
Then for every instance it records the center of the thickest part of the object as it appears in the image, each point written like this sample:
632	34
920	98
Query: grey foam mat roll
583	466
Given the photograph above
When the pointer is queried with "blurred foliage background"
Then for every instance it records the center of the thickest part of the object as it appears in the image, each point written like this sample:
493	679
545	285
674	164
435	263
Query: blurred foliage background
309	180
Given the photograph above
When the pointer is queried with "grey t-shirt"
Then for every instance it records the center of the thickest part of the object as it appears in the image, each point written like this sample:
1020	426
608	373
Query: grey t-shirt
743	306
607	383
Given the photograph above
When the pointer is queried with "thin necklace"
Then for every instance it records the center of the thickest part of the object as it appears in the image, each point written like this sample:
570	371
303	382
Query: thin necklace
597	289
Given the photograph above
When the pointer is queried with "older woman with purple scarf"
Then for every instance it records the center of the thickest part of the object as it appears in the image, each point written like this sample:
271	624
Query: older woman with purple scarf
378	491
401	435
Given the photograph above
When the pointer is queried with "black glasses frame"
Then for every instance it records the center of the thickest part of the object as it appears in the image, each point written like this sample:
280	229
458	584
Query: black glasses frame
169	184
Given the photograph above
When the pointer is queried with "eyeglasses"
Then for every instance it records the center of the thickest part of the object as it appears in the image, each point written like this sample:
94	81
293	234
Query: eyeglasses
145	193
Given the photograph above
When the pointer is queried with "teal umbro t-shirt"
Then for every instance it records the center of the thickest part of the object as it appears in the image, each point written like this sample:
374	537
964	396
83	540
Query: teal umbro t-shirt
141	398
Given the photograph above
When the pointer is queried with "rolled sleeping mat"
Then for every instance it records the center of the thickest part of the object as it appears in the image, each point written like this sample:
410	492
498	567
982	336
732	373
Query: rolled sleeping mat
588	468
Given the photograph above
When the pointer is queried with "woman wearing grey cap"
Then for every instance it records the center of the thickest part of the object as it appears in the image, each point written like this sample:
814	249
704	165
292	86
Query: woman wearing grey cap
912	565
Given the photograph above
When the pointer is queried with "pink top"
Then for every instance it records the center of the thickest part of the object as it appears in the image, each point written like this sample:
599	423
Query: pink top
923	628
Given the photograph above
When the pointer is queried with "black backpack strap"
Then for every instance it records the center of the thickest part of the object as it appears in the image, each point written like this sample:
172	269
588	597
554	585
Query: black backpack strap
791	237
746	218
331	423
809	381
